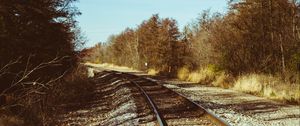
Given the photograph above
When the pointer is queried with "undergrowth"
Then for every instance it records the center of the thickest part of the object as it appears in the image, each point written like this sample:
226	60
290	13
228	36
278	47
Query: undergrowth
269	86
38	109
274	87
208	75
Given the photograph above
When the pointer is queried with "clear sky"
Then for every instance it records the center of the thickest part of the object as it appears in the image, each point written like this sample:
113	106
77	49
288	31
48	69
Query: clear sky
102	18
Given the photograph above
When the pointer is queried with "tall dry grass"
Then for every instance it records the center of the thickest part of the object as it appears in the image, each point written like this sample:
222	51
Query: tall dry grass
269	86
207	75
183	73
203	75
153	72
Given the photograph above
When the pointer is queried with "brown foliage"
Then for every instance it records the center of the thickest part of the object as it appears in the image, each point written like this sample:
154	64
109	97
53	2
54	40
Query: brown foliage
155	42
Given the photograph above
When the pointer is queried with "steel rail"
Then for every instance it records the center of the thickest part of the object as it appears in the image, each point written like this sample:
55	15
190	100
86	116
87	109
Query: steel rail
212	115
161	121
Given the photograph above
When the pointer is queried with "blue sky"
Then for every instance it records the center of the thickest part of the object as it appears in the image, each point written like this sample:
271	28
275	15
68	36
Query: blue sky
102	18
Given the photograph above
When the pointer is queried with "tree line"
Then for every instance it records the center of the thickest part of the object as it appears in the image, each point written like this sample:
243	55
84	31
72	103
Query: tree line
254	36
155	42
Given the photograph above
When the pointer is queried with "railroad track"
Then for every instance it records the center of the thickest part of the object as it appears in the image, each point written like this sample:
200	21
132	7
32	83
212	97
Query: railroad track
127	99
159	104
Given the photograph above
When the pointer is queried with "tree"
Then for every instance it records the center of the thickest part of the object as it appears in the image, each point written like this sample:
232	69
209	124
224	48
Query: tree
256	36
168	47
36	31
147	34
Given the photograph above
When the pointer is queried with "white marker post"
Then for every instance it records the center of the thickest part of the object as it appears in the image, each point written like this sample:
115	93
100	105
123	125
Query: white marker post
90	72
146	65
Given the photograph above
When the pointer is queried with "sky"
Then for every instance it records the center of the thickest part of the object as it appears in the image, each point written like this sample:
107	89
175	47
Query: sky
102	18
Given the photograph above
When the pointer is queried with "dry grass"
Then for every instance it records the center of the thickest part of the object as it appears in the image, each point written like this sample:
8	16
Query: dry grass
208	75
196	77
112	67
223	80
90	72
202	76
153	72
250	83
258	84
183	73
269	86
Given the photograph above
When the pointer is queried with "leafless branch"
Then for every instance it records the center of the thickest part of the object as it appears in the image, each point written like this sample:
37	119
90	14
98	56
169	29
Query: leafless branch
30	87
4	69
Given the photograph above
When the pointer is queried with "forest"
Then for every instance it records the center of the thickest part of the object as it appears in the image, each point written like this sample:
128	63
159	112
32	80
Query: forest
39	59
254	48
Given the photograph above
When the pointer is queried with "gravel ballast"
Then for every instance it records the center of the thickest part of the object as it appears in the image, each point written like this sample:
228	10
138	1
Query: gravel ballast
236	108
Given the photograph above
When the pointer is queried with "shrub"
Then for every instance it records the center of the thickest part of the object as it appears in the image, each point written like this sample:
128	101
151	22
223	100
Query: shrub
250	83
183	73
208	75
73	87
194	77
223	80
6	120
153	72
37	108
204	75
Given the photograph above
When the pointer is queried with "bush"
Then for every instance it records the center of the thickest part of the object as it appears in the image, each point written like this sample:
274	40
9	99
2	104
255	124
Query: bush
38	108
183	73
223	80
73	87
6	120
210	75
153	72
204	75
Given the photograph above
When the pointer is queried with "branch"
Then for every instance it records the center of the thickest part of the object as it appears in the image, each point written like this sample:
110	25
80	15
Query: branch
4	69
27	72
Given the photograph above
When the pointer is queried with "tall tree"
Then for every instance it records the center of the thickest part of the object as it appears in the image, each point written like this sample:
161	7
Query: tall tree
147	34
169	45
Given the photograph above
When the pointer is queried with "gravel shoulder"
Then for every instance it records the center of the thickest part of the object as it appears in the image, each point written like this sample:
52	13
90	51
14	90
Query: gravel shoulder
236	108
112	104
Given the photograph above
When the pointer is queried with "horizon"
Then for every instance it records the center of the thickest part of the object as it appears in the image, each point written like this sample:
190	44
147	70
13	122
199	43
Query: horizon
97	23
